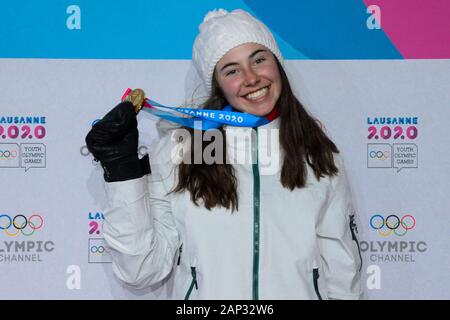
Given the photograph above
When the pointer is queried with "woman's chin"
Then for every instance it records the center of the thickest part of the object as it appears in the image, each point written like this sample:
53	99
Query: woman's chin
261	111
257	109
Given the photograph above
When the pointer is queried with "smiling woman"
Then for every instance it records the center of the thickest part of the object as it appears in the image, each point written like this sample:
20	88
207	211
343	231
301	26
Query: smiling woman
249	78
226	230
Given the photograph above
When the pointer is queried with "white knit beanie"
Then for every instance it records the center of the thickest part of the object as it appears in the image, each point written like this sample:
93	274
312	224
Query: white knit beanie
222	31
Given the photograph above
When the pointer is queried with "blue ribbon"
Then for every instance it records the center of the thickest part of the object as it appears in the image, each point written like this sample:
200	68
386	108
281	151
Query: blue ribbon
205	119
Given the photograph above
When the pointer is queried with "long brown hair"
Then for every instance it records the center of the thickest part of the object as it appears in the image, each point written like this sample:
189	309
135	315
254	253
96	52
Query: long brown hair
301	138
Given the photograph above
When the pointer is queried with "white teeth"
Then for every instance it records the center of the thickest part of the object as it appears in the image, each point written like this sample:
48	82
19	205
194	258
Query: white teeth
258	94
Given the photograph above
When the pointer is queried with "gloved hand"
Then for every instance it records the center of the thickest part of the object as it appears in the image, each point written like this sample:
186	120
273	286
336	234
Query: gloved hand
114	141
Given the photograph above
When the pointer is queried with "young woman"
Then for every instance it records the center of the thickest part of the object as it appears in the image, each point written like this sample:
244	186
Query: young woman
236	227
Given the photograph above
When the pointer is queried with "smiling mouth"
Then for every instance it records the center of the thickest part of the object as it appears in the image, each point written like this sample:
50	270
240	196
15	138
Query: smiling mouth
257	94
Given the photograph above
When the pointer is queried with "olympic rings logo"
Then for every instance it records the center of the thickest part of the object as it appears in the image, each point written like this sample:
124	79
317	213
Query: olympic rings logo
21	224
6	154
100	250
379	155
392	224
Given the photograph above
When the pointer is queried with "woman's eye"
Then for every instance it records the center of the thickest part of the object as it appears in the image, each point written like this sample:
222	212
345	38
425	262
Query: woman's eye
259	60
228	73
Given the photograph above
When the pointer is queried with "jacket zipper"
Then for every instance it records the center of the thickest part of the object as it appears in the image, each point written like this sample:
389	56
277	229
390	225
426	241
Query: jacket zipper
193	283
256	214
179	254
353	228
315	281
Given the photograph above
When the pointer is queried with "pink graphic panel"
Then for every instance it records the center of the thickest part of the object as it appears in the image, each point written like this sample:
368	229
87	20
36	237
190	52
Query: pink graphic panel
419	29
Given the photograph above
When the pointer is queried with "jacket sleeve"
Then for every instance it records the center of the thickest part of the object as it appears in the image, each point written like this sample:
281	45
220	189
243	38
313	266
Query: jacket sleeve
140	229
339	247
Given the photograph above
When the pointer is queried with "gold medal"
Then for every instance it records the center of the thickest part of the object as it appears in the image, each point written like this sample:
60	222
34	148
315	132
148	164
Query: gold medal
136	97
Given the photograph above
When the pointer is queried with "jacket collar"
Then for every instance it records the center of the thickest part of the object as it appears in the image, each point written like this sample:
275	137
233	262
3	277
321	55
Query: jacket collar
246	146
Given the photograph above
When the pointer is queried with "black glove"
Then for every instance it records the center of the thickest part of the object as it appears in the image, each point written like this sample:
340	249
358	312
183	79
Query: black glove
114	142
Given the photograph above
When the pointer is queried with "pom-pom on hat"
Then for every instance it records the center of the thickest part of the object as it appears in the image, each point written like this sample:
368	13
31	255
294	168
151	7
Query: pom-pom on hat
222	31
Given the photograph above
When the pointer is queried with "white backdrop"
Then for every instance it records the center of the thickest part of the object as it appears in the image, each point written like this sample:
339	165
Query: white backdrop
49	178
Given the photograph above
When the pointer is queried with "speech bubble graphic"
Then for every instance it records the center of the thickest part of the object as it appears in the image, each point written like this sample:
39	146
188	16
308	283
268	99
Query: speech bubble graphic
406	155
9	155
379	155
33	155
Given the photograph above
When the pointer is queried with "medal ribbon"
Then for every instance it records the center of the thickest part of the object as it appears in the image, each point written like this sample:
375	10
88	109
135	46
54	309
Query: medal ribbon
205	119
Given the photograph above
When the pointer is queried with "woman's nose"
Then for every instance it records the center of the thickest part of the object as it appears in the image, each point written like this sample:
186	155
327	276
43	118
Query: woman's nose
251	78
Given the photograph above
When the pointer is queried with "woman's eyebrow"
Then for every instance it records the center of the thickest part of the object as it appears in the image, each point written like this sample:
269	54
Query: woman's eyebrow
256	52
250	56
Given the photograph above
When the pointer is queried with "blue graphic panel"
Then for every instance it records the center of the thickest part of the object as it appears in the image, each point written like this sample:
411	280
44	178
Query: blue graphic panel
326	29
166	29
132	29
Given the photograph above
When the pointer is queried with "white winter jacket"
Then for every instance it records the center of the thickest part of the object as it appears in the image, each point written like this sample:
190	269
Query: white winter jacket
280	244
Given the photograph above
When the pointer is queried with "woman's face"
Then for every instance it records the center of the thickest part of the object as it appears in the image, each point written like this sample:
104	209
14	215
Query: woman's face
249	78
